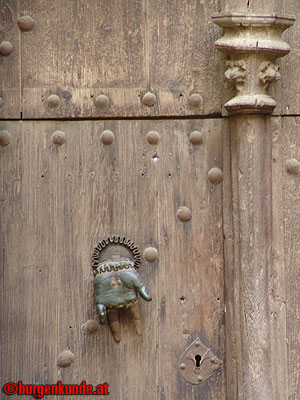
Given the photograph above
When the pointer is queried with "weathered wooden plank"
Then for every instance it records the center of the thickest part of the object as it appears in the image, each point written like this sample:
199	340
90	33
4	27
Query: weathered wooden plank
183	60
29	247
289	93
290	150
58	202
252	6
257	279
87	48
10	67
191	302
84	48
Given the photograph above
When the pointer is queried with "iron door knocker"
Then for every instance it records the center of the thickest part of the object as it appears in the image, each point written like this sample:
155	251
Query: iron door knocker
117	283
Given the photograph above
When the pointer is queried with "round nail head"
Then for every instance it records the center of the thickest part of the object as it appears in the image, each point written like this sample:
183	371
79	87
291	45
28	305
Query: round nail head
182	366
65	359
102	102
293	166
196	137
195	100
90	327
197	344
153	137
199	379
107	137
149	99
150	254
58	138
215	175
6	48
26	23
184	214
53	101
5	138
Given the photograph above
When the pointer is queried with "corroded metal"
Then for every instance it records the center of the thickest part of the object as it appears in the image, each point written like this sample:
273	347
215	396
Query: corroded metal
198	363
128	243
117	283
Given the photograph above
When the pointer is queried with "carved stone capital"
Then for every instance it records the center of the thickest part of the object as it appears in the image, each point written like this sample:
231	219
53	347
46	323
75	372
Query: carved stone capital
252	43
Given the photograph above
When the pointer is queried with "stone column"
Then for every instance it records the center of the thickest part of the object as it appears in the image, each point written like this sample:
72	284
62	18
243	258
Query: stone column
255	339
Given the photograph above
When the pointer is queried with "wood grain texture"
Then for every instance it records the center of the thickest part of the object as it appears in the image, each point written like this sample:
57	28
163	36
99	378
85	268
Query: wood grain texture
81	49
10	66
252	6
183	59
255	277
288	92
290	149
58	202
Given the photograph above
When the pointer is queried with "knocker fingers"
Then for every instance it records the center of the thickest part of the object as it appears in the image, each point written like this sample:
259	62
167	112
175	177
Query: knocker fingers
114	323
101	311
144	293
136	315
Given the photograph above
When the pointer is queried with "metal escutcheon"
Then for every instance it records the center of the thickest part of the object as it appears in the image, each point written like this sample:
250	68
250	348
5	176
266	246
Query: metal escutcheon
198	363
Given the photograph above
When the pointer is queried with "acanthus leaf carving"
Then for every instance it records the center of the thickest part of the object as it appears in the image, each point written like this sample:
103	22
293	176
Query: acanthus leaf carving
268	73
236	73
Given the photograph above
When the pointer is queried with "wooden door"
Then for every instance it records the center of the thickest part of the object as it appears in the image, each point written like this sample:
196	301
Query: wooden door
59	201
112	124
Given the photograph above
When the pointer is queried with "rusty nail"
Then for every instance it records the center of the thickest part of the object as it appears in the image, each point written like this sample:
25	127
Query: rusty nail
196	137
90	327
6	48
58	138
65	359
149	99
152	137
195	100
293	166
107	137
5	138
150	254
215	175
184	214
53	101
26	23
102	102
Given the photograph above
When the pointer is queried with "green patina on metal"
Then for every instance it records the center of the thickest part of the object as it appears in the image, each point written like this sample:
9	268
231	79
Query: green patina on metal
117	283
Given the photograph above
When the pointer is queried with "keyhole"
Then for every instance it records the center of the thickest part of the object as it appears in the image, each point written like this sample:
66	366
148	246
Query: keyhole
197	359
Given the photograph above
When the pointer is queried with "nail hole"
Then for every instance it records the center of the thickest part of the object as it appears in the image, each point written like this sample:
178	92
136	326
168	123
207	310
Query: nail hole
218	298
40	270
198	359
43	176
182	299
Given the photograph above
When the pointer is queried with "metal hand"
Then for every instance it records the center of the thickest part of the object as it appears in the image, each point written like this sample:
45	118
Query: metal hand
117	284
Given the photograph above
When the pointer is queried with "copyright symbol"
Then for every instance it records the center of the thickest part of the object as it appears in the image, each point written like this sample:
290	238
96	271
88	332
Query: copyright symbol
10	388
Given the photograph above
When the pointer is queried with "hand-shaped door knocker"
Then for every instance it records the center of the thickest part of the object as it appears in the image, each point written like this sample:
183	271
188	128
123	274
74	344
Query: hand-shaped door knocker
117	282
